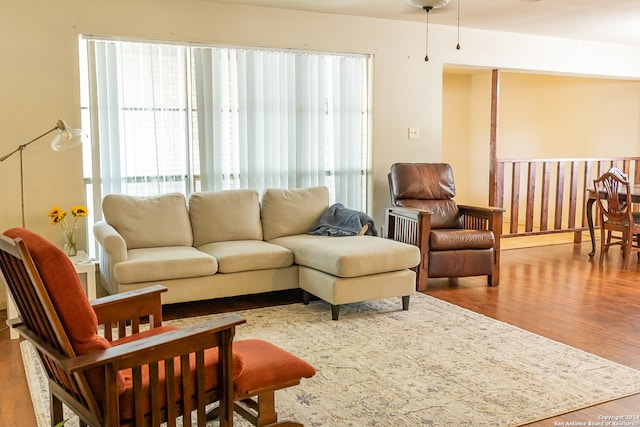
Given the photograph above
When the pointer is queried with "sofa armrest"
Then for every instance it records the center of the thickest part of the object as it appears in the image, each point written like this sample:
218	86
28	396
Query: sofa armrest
111	241
113	249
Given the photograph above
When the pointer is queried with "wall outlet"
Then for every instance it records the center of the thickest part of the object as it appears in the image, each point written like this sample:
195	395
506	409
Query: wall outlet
414	133
3	305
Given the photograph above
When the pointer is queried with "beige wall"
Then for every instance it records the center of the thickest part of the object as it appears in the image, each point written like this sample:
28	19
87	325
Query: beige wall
541	116
554	116
39	79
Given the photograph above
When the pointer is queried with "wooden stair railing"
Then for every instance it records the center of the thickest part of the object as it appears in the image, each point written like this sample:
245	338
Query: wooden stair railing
543	196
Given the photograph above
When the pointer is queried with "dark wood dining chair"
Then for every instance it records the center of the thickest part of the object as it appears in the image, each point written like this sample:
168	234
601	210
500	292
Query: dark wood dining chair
616	214
138	372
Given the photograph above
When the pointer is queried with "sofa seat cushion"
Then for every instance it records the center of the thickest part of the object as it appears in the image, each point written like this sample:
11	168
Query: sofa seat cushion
173	262
452	239
247	255
350	256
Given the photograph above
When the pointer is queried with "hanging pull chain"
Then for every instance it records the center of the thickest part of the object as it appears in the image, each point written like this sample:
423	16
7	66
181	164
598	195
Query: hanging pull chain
426	51
458	45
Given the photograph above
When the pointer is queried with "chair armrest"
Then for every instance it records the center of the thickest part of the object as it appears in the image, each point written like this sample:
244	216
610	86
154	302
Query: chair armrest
408	225
482	218
158	347
481	211
412	226
397	219
130	305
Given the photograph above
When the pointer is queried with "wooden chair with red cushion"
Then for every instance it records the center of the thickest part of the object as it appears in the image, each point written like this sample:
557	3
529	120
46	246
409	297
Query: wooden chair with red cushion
132	375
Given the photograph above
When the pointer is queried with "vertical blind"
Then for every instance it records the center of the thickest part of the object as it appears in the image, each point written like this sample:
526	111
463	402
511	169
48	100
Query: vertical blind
167	117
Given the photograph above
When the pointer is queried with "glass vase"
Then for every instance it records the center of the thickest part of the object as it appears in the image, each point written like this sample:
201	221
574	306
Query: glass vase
70	242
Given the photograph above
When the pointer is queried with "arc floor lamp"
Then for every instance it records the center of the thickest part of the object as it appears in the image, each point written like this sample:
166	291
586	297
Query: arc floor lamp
65	138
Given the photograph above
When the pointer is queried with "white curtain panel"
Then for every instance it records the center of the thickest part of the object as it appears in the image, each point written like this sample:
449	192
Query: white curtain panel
142	119
272	119
163	114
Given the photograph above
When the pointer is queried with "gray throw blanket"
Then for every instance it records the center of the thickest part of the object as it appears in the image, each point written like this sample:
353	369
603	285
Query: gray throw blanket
340	221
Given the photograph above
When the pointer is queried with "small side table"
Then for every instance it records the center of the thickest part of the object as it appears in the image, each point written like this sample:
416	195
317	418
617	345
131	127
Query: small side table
86	269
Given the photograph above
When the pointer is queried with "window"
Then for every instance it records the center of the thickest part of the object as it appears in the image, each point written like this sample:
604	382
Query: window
170	117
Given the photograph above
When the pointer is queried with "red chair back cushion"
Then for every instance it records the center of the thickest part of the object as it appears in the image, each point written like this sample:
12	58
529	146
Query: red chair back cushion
69	300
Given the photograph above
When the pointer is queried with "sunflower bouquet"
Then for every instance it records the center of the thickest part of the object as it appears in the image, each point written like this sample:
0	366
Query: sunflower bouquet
58	216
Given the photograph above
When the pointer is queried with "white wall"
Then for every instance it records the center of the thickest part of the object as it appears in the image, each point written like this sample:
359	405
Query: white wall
39	79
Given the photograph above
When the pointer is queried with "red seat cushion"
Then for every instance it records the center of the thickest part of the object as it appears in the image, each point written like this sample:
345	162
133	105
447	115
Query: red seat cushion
267	366
127	401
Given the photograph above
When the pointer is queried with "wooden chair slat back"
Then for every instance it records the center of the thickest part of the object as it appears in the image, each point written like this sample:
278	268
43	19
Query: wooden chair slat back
38	315
612	206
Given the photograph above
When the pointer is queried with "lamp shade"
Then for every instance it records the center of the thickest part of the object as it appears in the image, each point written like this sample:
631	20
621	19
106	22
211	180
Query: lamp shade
67	137
428	4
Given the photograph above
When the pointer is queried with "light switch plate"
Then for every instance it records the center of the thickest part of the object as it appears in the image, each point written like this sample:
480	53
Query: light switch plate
414	133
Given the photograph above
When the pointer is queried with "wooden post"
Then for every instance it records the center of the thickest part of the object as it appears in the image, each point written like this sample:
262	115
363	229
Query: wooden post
493	139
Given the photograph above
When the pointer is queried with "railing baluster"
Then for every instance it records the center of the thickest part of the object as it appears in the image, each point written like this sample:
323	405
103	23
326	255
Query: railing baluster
557	223
531	194
537	215
515	196
544	208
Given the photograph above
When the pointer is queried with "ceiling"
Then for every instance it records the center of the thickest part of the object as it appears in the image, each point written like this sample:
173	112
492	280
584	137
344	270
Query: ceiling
607	21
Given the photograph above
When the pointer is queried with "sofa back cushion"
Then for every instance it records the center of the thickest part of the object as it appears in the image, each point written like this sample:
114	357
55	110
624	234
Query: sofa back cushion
225	216
291	212
149	222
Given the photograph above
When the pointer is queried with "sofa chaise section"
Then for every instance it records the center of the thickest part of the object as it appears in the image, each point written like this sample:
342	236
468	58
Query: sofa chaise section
339	270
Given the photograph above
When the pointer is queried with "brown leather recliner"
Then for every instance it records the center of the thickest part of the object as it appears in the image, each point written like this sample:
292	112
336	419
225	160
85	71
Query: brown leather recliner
454	240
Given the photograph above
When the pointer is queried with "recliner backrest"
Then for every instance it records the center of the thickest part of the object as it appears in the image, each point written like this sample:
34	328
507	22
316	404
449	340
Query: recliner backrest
427	186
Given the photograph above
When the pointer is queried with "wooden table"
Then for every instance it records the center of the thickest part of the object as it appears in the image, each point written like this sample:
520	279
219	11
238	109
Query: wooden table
591	194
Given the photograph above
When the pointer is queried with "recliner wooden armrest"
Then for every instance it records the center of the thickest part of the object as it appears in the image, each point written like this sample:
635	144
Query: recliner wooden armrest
132	307
483	218
412	226
166	345
491	213
146	350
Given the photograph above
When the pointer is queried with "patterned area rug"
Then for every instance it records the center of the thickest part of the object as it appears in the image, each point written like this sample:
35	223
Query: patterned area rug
434	365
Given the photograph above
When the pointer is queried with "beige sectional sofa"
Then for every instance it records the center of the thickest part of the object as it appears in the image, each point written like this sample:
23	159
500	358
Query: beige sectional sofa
231	243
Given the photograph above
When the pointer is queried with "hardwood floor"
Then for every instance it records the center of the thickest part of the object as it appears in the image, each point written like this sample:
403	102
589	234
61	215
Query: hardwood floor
555	291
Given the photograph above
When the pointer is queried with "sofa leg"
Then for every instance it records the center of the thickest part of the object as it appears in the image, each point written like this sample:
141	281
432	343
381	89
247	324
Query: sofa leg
306	297
405	302
335	312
